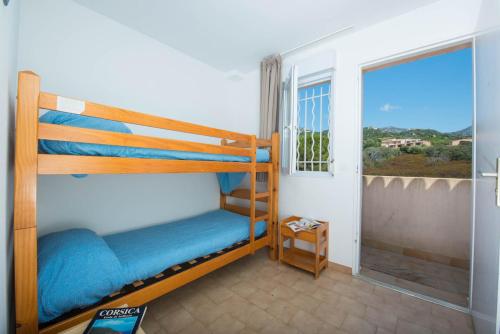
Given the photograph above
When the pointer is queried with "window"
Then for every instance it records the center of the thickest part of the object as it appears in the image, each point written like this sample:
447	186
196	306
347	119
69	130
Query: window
306	123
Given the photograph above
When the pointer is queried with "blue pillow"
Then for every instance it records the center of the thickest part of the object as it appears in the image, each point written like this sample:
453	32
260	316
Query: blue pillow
65	147
76	268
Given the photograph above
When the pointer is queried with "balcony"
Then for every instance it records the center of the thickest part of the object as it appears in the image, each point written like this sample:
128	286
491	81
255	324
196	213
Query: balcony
416	234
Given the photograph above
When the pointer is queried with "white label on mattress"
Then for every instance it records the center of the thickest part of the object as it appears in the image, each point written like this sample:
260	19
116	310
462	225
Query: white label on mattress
70	105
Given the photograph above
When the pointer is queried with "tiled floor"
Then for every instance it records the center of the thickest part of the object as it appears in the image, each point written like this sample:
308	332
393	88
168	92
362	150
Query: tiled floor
429	278
256	295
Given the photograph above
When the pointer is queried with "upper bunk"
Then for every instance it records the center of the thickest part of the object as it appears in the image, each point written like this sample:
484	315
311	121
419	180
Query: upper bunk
237	152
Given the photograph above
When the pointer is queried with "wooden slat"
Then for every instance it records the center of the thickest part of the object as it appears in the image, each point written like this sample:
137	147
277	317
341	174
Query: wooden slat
25	182
245	194
270	227
275	159
49	101
73	164
74	134
153	291
260	143
259	214
253	190
262	166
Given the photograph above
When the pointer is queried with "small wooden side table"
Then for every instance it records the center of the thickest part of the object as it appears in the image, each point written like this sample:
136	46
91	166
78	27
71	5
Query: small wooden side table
311	261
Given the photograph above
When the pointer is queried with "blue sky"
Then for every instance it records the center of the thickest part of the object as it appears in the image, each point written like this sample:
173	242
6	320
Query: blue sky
433	93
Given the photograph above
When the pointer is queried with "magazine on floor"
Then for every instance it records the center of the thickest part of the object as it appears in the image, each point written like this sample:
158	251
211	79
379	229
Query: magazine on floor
303	224
124	320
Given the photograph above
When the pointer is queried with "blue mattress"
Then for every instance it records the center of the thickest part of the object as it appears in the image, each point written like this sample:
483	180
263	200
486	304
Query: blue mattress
71	148
148	251
227	181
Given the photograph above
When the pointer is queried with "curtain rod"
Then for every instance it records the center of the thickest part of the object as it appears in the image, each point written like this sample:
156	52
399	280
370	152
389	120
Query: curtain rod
284	53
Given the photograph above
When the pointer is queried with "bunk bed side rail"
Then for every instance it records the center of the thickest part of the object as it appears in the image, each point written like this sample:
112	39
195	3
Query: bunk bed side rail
59	103
92	136
55	164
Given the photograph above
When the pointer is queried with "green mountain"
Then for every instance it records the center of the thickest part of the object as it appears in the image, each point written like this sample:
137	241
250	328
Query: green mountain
372	137
467	132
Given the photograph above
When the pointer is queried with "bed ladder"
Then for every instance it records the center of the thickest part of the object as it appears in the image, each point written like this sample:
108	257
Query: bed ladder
267	196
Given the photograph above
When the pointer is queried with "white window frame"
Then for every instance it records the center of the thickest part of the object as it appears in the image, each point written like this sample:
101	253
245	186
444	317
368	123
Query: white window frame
290	117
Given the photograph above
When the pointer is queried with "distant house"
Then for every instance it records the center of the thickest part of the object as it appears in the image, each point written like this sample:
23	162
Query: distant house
462	141
408	142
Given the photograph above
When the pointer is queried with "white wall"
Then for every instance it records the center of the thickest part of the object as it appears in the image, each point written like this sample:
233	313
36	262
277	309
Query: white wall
335	198
418	213
9	17
80	53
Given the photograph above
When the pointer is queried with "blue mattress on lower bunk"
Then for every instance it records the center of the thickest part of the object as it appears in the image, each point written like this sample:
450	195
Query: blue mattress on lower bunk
77	268
148	251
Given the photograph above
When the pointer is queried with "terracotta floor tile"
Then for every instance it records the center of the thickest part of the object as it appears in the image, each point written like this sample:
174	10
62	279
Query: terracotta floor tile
353	324
261	298
150	325
351	306
405	327
326	296
293	302
193	328
176	320
378	317
243	288
282	310
278	327
306	323
331	314
218	293
381	330
207	313
304	286
258	319
226	325
305	302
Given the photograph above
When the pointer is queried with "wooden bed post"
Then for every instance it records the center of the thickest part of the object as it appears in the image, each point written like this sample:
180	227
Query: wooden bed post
275	152
253	190
223	197
270	217
25	182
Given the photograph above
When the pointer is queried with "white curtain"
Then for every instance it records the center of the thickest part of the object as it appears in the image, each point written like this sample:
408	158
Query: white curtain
270	91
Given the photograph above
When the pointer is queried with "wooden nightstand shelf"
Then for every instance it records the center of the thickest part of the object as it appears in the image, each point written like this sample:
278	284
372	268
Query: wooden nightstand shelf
311	261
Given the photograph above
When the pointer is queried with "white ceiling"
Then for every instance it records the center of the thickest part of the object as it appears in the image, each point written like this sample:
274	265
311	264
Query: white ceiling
234	35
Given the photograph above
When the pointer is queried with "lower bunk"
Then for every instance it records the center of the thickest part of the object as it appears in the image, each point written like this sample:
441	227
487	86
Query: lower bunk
80	272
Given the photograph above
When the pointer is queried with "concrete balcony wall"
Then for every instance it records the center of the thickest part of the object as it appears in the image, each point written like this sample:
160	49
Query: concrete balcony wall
426	214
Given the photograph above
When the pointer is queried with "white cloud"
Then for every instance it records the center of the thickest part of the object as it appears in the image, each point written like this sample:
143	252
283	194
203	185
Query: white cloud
389	107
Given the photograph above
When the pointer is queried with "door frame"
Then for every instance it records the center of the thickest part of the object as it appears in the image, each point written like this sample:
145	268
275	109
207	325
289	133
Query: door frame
390	60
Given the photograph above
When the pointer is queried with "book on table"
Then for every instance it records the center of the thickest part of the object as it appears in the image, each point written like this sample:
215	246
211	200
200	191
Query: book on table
125	320
304	224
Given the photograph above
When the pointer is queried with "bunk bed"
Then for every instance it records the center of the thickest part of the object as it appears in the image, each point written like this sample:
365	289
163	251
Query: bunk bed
246	229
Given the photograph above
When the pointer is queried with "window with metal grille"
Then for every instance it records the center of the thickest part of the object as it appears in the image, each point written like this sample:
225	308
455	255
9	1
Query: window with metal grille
313	130
307	140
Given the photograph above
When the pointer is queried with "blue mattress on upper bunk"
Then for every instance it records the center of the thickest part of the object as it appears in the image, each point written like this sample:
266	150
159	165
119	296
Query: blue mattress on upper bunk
73	148
148	251
77	268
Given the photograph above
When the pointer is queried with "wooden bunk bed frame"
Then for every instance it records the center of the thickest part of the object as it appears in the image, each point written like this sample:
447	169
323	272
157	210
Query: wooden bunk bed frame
29	163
